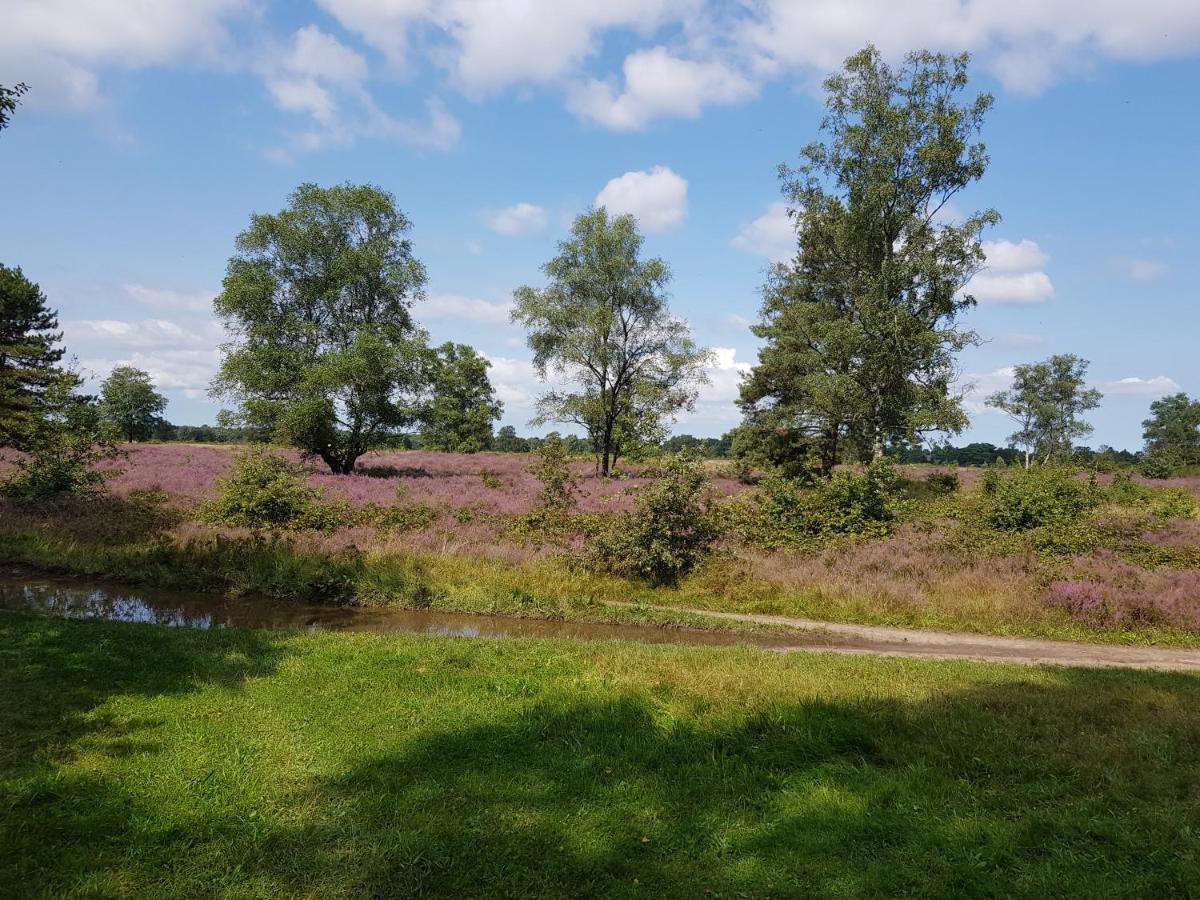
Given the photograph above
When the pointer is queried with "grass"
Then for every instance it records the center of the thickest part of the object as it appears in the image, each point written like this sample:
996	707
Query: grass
137	760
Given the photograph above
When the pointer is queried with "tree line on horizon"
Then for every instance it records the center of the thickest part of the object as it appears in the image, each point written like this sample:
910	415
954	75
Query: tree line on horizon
861	328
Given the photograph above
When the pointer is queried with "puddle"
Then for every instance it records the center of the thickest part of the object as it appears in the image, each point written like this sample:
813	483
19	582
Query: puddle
75	599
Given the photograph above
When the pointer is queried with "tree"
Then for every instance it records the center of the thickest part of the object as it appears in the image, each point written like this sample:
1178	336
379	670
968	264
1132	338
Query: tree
861	327
1172	432
10	98
507	441
324	350
30	353
603	323
1046	400
129	401
464	405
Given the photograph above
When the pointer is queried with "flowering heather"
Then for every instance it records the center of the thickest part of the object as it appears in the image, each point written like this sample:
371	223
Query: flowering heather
1104	591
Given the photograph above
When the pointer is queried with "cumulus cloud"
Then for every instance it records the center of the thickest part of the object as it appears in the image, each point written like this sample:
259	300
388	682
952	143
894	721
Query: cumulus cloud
976	387
520	218
1013	274
456	306
657	199
1158	386
187	371
716	406
658	84
170	300
770	235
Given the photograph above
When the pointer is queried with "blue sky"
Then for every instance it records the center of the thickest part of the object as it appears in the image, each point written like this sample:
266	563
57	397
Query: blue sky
153	130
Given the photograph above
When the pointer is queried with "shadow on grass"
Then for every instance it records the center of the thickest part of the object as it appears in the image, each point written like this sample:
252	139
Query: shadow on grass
1080	785
106	518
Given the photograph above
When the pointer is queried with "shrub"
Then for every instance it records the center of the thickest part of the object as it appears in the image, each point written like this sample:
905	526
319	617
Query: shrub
266	490
942	482
788	512
62	460
395	518
670	529
1156	467
490	479
1032	498
559	493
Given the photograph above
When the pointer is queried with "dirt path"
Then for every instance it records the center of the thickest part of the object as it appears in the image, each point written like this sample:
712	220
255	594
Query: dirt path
885	641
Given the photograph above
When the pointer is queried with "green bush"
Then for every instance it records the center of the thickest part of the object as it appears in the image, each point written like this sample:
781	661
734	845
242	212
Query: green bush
1156	467
552	468
671	528
266	490
789	512
1033	498
942	482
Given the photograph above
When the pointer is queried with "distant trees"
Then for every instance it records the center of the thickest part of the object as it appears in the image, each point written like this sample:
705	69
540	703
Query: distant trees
324	351
463	406
603	323
30	354
129	401
1046	401
1172	433
861	329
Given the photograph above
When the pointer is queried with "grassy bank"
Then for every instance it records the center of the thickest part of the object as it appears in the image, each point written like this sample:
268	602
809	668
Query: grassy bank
139	544
142	760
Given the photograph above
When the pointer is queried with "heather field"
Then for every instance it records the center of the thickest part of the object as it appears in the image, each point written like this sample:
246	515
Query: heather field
444	530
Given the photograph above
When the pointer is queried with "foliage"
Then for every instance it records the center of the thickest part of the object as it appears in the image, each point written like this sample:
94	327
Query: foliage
942	482
671	528
63	446
30	353
10	98
129	401
324	351
1156	467
1172	432
1037	497
861	327
559	492
267	490
1046	400
603	324
458	418
788	512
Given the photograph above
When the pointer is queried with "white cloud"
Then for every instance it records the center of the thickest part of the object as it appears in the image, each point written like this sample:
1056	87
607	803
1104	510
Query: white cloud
60	46
976	387
319	77
658	84
1140	269
170	300
770	235
657	199
520	218
456	306
1013	274
1158	386
188	371
716	405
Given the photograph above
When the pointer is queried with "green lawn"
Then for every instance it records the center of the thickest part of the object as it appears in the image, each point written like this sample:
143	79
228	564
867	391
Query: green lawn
137	760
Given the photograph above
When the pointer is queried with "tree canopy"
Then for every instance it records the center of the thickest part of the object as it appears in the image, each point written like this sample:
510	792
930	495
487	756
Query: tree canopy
10	98
463	406
324	351
129	401
1046	401
1172	432
861	327
603	324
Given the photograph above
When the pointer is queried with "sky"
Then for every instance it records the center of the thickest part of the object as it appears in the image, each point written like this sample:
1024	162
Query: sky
153	129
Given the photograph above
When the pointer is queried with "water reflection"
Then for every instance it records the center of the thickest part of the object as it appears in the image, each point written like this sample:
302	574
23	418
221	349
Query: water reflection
178	609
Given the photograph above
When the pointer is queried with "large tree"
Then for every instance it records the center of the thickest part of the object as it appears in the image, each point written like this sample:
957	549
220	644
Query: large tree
1047	400
459	415
861	328
30	353
324	350
603	324
129	401
1172	432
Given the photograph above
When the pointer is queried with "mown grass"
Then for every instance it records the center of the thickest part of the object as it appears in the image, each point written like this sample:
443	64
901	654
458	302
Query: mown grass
137	760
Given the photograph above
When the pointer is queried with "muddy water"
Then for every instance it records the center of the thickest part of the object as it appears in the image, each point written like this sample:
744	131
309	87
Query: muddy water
76	599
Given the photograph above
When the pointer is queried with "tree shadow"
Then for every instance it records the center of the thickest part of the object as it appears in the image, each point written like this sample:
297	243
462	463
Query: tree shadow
106	518
1076	784
388	471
